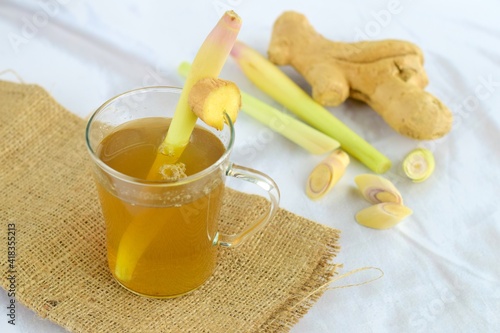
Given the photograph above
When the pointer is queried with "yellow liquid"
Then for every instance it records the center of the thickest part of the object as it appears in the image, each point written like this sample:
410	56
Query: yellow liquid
170	247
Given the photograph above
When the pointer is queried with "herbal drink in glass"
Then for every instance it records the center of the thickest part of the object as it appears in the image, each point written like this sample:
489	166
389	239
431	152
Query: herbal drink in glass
162	236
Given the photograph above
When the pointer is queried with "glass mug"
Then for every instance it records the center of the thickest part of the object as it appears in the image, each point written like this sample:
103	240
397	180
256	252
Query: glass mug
162	237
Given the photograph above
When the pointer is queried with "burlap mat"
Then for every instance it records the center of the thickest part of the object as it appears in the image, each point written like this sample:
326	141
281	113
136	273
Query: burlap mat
61	271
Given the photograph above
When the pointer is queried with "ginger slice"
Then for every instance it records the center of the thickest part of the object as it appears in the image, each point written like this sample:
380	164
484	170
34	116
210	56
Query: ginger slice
210	98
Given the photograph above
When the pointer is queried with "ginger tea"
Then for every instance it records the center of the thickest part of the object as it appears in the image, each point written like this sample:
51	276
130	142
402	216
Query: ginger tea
158	248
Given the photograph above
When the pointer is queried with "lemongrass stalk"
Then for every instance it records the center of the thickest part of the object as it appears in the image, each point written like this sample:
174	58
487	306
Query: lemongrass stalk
302	134
208	63
305	136
271	80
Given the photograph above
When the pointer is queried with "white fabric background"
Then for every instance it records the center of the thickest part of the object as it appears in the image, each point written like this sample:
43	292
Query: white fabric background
441	265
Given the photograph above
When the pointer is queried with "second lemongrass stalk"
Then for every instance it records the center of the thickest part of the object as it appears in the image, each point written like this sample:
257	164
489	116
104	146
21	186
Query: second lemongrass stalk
279	86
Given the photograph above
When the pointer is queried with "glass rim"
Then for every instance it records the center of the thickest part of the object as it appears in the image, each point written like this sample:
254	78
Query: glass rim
157	183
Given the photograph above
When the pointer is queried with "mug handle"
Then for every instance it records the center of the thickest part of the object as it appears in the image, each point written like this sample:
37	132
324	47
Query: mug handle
266	183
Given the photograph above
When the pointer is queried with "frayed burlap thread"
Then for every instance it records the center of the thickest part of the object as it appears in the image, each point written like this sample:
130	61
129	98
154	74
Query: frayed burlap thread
47	192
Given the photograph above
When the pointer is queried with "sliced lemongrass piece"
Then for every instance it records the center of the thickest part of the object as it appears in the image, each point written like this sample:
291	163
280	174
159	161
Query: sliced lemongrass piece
419	164
326	174
210	98
208	63
377	189
295	130
383	215
271	80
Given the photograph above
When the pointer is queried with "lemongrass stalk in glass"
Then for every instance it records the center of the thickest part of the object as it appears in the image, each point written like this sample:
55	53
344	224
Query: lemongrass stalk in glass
207	63
295	130
271	80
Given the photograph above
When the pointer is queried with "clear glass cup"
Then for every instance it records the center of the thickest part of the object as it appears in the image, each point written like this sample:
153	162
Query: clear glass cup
162	237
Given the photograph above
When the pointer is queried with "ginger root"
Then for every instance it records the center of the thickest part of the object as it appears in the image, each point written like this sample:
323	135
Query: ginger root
388	75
